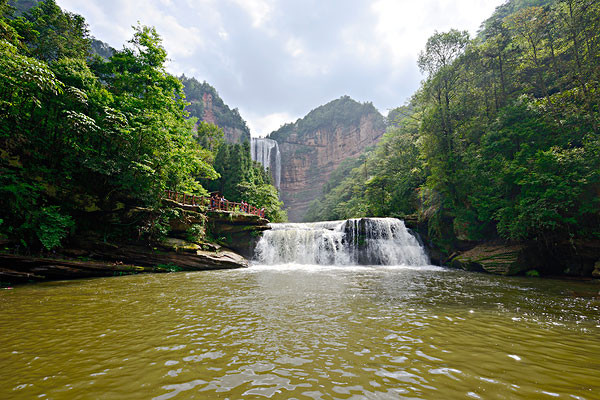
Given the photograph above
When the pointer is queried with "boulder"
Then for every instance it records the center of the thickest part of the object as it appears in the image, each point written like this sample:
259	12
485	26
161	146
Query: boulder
185	222
499	259
21	269
172	252
238	231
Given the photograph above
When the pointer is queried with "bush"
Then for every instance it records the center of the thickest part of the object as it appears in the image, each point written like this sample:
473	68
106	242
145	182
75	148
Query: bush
51	226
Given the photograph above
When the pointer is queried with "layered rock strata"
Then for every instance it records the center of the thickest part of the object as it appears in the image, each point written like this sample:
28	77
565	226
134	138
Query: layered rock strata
309	156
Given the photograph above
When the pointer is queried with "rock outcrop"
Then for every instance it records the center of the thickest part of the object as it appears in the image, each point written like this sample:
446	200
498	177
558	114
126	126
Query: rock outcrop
23	269
241	233
184	249
314	146
178	254
112	260
207	106
499	259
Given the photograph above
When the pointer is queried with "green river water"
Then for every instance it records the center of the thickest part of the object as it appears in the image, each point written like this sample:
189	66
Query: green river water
309	332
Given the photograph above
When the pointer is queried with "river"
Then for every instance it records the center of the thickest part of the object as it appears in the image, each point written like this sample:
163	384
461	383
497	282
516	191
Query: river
302	331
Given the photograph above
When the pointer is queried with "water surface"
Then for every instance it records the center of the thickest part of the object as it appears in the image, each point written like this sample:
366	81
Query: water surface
303	332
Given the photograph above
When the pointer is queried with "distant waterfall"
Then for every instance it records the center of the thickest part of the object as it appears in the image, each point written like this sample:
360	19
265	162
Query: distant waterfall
365	241
266	152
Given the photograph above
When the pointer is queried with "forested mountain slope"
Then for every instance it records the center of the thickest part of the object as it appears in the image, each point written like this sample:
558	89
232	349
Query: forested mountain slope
87	145
502	139
313	146
207	106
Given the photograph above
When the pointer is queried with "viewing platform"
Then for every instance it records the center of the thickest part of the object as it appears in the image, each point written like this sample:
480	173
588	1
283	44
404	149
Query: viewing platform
214	203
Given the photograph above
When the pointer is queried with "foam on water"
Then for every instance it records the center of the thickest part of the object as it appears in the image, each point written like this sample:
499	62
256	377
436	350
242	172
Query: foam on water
365	241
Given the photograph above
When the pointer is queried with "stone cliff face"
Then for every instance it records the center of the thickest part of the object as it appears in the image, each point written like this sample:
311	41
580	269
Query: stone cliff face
207	106
313	147
23	5
233	132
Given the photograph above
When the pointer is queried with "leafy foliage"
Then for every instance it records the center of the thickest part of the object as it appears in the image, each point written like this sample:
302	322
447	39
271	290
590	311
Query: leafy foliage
242	179
81	137
501	141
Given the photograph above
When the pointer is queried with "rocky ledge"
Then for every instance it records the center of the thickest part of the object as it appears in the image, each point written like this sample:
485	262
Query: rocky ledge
500	259
577	260
239	232
102	259
87	257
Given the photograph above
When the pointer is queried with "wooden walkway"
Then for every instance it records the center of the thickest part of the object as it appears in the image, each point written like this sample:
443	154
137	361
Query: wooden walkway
214	203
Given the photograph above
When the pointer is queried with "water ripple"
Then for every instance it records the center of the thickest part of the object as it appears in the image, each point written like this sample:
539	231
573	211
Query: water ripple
364	332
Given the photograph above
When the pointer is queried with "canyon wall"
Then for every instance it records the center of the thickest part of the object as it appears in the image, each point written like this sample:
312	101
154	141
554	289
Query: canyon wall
207	106
314	146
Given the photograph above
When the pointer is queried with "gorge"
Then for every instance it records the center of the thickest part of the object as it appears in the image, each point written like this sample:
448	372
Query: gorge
314	146
144	251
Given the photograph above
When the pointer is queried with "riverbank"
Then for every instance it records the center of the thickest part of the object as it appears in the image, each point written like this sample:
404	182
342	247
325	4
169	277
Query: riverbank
111	260
573	259
227	243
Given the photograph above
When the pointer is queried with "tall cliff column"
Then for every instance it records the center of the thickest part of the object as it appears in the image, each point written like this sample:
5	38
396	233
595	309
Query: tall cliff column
314	146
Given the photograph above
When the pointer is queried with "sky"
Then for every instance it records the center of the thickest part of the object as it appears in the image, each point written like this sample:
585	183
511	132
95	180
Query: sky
275	60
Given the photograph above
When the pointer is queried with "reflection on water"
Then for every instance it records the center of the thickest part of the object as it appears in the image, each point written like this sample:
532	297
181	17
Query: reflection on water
302	332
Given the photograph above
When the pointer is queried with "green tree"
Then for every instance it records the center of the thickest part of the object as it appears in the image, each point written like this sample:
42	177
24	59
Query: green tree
160	150
51	33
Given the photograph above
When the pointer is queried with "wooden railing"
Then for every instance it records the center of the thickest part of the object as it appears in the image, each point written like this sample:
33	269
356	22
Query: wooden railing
213	203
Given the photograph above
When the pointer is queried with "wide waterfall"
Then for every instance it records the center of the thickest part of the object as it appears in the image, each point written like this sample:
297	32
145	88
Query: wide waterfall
365	241
266	152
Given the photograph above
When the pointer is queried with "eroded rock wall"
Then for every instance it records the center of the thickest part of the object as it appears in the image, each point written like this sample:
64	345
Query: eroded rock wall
308	159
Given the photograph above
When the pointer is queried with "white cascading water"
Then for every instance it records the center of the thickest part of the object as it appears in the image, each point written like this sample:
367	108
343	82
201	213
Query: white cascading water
266	152
372	241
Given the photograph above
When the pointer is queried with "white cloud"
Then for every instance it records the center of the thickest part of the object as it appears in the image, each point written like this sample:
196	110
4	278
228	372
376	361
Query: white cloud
259	10
179	40
294	47
223	34
262	125
403	27
277	59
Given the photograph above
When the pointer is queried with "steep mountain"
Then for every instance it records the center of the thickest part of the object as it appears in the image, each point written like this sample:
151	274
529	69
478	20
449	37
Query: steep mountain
97	47
23	5
314	146
207	105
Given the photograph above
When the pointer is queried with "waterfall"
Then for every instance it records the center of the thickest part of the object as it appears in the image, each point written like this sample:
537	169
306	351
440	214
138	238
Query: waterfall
266	152
365	241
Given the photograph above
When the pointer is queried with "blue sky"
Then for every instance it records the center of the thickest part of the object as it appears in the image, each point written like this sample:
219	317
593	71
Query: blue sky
277	59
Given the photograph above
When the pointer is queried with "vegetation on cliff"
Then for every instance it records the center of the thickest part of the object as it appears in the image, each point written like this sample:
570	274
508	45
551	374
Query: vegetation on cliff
207	105
84	139
502	139
242	179
344	111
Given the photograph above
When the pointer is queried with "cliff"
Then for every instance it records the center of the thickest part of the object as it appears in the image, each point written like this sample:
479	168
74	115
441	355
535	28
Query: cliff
314	146
23	5
181	249
207	106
